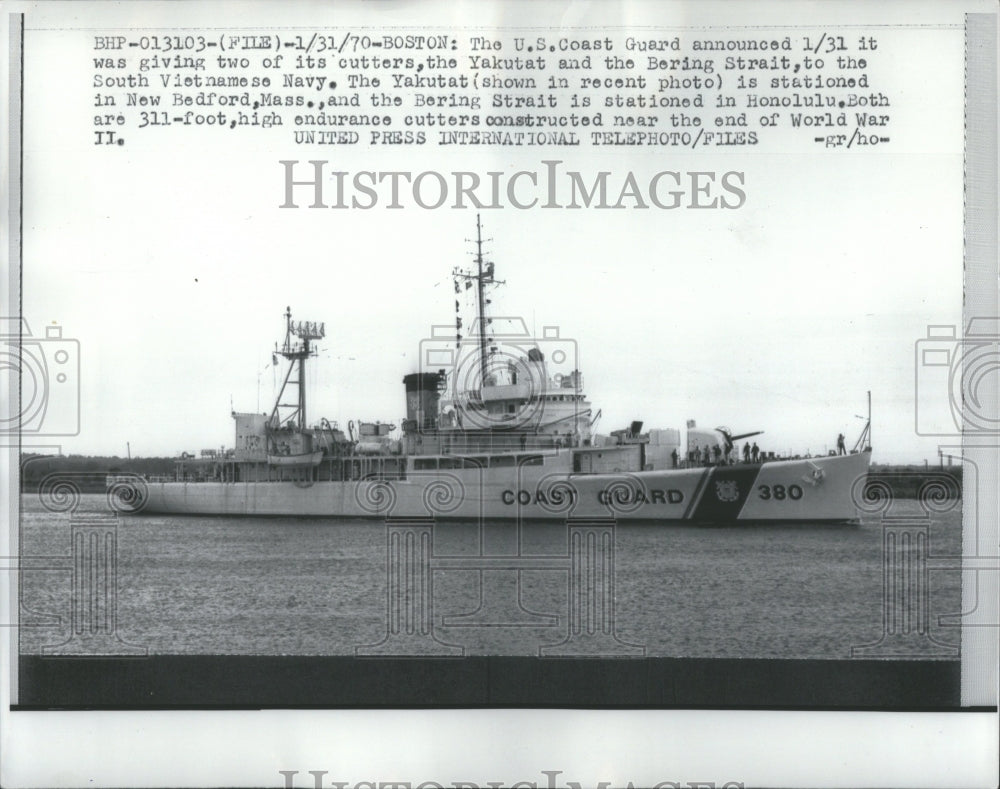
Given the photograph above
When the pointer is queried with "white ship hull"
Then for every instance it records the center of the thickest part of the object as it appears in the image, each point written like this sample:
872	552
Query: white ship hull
802	490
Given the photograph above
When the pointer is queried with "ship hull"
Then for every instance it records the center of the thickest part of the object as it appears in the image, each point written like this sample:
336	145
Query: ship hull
804	490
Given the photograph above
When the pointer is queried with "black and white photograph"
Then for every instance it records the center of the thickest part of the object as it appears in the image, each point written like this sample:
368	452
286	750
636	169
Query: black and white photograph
500	394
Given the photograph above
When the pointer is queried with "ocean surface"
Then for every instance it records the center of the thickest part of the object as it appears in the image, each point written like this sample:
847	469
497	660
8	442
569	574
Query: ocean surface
273	586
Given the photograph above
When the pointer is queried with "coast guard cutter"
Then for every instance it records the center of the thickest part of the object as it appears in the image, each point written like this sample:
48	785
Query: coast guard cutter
497	426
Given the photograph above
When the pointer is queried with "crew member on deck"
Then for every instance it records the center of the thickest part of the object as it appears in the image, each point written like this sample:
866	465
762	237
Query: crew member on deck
673	456
841	448
704	455
755	452
746	451
717	451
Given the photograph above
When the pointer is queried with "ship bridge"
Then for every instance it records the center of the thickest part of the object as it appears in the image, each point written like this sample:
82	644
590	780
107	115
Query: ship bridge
521	409
496	387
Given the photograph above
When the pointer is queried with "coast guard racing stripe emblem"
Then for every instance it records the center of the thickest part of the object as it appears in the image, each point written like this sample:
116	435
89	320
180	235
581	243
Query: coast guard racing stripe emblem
726	492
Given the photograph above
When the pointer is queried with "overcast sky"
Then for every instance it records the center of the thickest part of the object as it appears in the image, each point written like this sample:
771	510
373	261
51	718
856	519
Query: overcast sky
170	262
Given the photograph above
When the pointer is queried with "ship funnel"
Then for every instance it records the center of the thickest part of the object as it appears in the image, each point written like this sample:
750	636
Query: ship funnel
423	394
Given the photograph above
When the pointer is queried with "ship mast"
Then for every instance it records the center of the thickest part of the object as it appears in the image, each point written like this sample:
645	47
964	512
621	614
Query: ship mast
296	353
482	303
482	277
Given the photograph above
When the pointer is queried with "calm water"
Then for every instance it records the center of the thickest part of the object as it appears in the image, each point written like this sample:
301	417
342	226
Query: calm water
192	585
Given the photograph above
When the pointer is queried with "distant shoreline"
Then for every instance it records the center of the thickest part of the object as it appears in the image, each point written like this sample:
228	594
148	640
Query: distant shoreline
905	481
